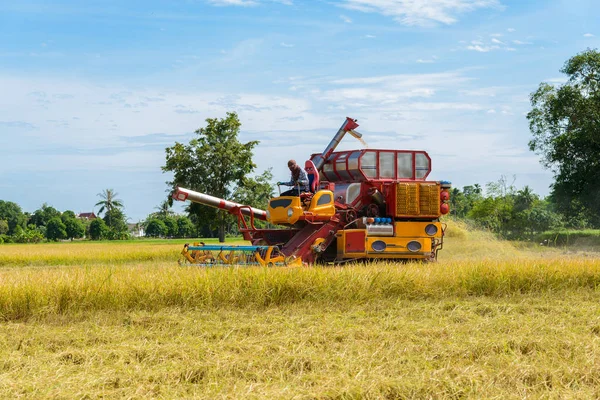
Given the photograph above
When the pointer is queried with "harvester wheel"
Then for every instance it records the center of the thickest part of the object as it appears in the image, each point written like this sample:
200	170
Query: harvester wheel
350	216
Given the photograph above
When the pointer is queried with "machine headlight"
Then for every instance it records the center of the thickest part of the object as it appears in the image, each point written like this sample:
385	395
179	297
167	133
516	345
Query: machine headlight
290	212
378	245
413	246
431	229
268	215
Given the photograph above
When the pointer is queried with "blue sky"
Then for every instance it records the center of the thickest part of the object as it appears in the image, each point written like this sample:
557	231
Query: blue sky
92	92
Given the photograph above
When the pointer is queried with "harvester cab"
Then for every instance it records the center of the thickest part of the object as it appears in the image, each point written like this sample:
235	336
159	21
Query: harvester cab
308	207
361	204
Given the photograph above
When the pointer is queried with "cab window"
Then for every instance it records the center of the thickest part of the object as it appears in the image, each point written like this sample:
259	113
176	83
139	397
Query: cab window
324	199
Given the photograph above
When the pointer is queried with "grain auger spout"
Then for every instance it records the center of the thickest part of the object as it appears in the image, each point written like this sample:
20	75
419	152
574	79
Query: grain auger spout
348	126
183	194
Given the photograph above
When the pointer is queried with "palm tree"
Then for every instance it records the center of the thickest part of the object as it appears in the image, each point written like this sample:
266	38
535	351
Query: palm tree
164	209
109	202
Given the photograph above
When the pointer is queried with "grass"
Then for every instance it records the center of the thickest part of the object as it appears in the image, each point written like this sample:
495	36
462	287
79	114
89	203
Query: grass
489	320
83	253
586	238
34	292
514	347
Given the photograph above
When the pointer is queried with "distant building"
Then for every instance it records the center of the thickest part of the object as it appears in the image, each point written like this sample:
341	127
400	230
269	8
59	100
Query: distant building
136	230
89	215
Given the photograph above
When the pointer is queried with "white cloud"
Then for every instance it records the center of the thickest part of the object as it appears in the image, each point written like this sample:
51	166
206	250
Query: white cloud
511	30
520	43
483	46
557	80
395	91
588	35
408	80
346	19
88	116
375	95
420	12
370	36
284	44
430	60
482	49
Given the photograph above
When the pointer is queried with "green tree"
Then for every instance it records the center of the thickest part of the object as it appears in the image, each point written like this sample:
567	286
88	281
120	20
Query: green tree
13	215
156	228
565	124
116	220
74	228
214	162
255	191
3	227
463	202
109	203
98	229
541	218
172	228
43	215
55	229
163	210
67	215
32	234
185	227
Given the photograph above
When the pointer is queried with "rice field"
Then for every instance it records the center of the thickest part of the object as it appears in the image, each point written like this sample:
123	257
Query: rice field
122	320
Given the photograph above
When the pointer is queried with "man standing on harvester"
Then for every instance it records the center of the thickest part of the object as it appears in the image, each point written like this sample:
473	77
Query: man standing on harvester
299	180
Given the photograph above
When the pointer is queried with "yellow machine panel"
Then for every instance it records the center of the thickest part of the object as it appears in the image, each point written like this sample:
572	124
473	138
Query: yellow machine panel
429	198
414	199
418	229
416	240
407	199
322	204
291	209
284	210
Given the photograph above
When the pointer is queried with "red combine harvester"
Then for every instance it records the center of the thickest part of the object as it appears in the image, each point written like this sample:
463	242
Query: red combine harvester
363	204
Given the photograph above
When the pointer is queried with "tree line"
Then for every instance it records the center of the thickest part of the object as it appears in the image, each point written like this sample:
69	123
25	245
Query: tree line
48	223
511	213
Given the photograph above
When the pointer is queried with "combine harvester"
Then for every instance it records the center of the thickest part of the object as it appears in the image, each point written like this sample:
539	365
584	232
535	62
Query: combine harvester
364	204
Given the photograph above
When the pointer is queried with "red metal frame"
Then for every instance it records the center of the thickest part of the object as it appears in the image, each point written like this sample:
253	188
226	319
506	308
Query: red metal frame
332	160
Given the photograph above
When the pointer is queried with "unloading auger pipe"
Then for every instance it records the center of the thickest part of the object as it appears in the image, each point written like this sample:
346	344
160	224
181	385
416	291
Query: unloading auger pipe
183	194
348	126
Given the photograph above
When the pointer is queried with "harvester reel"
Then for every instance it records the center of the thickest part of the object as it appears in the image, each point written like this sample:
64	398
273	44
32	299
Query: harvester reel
215	255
